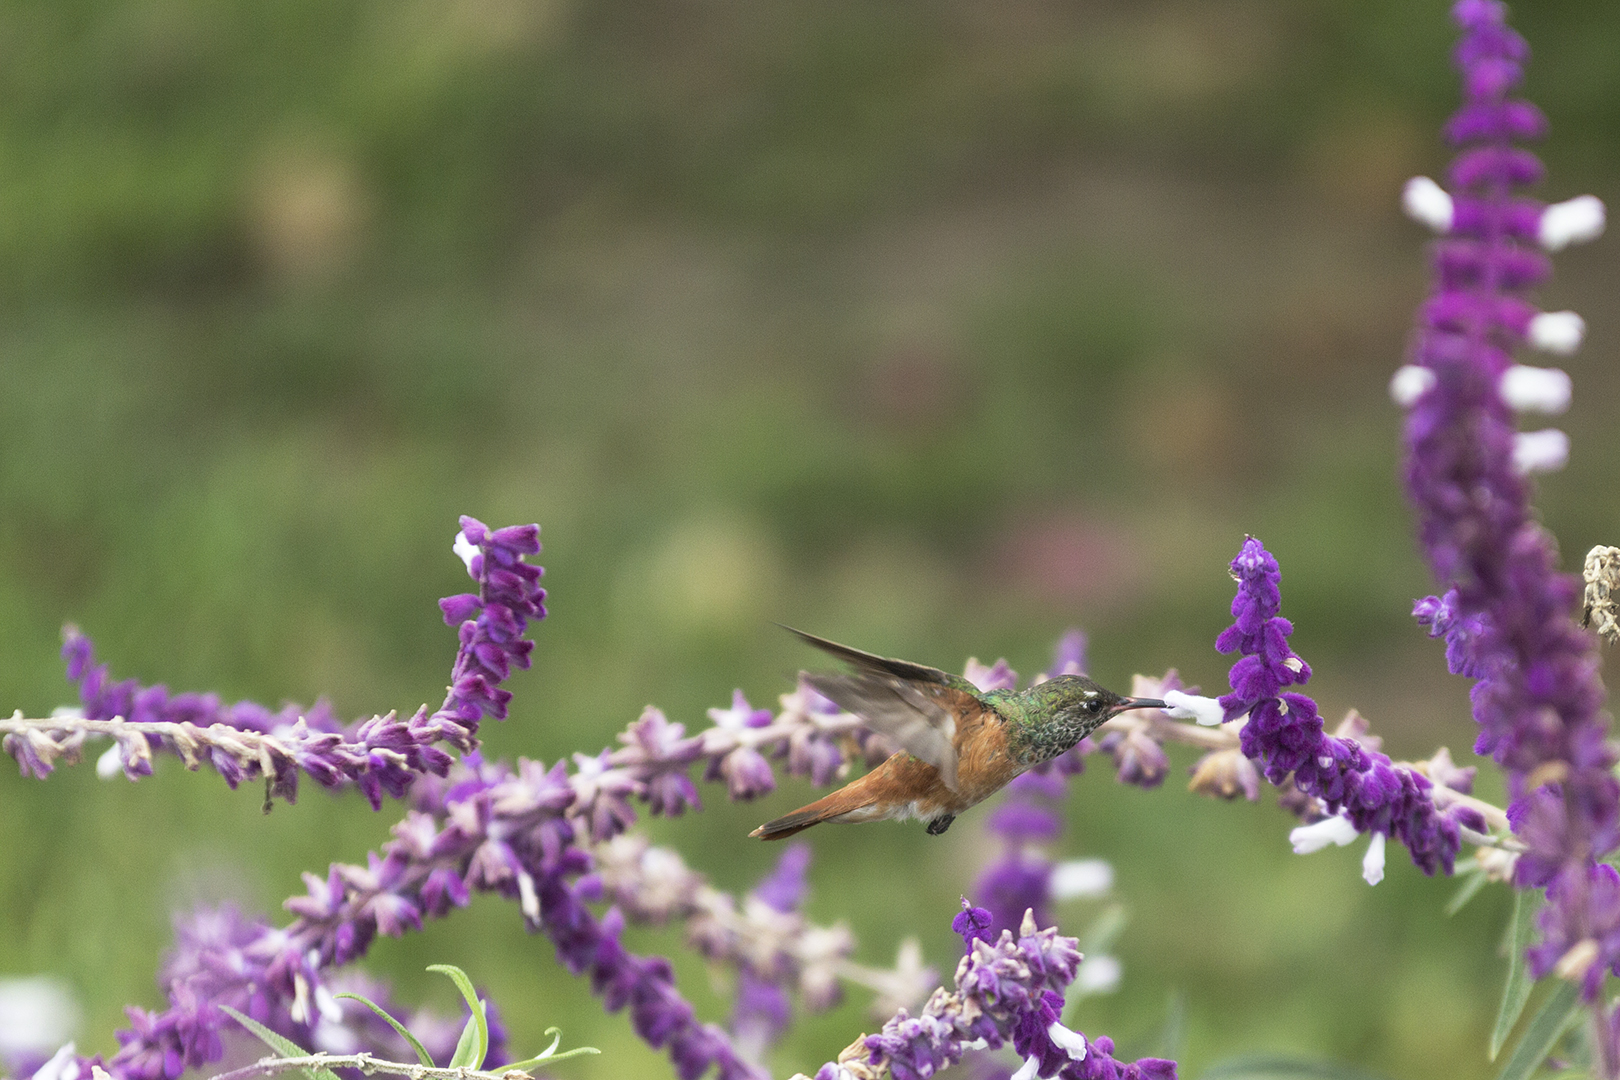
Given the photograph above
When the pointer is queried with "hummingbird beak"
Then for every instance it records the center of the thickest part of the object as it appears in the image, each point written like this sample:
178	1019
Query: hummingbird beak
1131	703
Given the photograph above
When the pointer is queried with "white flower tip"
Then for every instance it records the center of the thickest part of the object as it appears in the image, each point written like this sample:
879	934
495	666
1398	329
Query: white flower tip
334	1038
1427	203
1559	332
1410	383
1577	960
1081	877
1573	222
1314	837
1027	1071
1546	450
60	1065
1372	864
528	898
1205	710
1070	1042
464	549
1099	974
327	1005
1533	389
111	763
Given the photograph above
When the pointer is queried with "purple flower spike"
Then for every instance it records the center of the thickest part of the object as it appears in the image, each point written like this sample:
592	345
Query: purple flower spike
515	831
1009	990
1284	734
762	1011
490	624
1505	613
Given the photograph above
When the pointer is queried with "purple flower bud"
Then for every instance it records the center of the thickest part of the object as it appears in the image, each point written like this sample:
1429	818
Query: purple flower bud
998	676
1440	617
783	889
1018	883
973	924
747	773
1023	821
1045	780
669	794
653	738
1070	656
812	754
741	714
459	608
1226	774
394	914
1142	761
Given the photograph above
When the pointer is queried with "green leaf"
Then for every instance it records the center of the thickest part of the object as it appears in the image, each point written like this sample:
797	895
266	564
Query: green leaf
550	1053
279	1043
1470	887
1284	1067
274	1040
467	1054
1544	1032
1517	990
421	1052
474	1042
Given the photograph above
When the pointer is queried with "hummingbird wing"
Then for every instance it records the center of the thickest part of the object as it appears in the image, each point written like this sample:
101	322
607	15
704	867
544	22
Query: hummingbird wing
918	716
874	664
913	704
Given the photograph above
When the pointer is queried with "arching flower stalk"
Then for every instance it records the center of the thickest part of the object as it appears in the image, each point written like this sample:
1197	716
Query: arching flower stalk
246	741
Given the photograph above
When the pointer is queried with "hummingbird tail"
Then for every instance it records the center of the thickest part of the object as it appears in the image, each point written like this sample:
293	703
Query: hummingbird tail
841	805
784	827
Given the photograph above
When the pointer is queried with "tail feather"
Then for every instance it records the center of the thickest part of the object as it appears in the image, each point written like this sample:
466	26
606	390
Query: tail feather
788	825
828	808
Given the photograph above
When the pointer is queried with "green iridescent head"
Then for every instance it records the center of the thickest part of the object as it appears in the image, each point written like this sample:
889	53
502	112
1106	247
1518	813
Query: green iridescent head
1063	710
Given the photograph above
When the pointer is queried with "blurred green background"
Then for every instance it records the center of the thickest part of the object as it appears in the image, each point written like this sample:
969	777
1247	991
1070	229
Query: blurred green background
933	327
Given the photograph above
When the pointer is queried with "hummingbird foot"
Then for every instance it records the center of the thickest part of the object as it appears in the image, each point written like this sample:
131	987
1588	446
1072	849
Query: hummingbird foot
940	824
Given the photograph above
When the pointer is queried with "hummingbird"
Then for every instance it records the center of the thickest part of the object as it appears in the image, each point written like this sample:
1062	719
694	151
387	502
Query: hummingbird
959	745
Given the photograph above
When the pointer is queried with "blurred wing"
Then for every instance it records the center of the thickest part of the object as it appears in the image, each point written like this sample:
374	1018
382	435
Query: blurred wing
873	664
919	717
